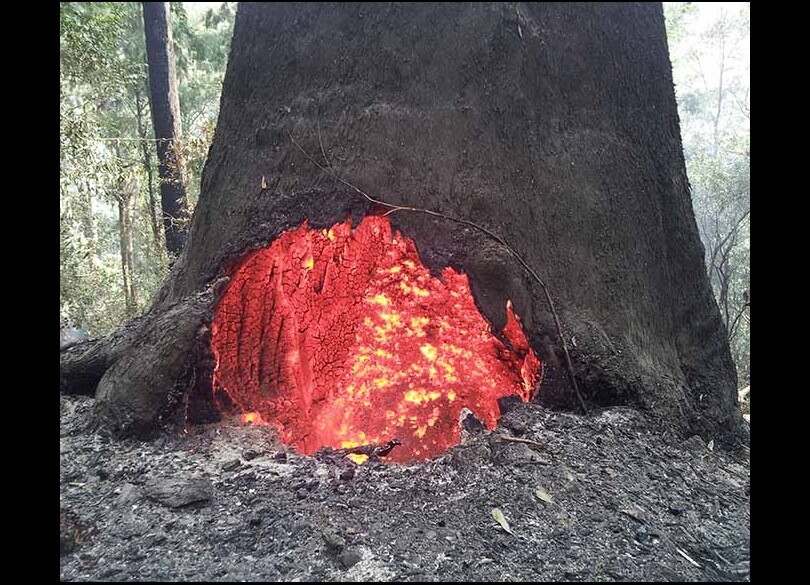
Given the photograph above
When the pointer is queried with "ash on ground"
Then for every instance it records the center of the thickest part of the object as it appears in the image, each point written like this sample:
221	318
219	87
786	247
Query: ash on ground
548	496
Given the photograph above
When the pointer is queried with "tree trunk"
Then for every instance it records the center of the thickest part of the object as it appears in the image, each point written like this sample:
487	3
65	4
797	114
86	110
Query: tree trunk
166	119
126	196
146	161
552	126
89	220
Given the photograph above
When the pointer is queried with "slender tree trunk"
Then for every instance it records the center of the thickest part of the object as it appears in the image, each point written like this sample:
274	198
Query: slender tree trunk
88	221
719	109
166	119
125	195
146	161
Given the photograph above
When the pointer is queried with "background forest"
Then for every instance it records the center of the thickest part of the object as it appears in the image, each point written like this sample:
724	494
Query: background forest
112	245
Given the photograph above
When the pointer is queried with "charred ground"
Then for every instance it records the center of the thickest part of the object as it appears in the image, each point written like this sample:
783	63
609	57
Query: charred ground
229	502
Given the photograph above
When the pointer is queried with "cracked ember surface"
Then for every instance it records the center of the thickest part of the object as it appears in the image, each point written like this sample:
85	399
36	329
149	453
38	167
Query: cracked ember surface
342	337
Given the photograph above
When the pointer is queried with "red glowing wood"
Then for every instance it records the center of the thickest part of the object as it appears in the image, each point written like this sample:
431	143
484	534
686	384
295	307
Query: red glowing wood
343	338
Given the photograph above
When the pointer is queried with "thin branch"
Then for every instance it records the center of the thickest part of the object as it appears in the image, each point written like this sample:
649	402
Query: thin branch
323	151
493	235
122	138
720	266
732	330
734	229
518	440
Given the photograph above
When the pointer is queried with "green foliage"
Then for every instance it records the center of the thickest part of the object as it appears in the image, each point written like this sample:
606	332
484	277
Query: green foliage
106	141
710	50
89	34
202	41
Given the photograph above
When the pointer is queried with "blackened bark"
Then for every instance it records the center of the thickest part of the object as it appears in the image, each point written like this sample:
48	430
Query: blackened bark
553	125
166	118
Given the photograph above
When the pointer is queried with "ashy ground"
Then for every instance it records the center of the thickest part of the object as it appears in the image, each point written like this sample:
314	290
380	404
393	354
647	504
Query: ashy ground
547	496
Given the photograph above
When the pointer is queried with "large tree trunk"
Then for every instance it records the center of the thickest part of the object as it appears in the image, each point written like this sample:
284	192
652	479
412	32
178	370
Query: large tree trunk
166	118
551	125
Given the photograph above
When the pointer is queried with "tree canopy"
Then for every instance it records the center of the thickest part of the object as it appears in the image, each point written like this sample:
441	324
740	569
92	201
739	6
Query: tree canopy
108	149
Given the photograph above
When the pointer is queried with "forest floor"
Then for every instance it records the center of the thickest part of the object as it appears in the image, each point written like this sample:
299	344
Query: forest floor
603	497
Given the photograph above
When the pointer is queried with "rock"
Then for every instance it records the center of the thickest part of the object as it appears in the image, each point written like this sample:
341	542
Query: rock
231	464
470	456
110	572
431	534
742	569
743	454
129	495
513	423
509	403
333	540
281	456
646	536
637	513
510	453
176	493
250	455
73	532
694	444
676	509
349	558
254	519
153	538
470	423
347	474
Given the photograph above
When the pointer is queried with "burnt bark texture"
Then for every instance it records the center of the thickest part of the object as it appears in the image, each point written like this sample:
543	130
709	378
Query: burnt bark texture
166	119
553	125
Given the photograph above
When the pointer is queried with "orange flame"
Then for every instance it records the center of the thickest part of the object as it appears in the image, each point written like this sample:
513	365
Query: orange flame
343	338
252	418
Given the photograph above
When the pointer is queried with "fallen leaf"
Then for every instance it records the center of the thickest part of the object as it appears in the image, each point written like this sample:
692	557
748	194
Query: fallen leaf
711	445
543	495
500	519
264	183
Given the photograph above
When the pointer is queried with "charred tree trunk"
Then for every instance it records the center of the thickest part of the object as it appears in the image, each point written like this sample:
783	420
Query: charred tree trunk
166	119
551	125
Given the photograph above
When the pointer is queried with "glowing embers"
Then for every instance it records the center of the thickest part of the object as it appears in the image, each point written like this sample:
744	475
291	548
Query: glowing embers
343	338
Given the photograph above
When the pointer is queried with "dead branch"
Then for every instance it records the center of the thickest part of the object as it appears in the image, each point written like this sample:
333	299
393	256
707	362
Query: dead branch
517	440
732	331
372	450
